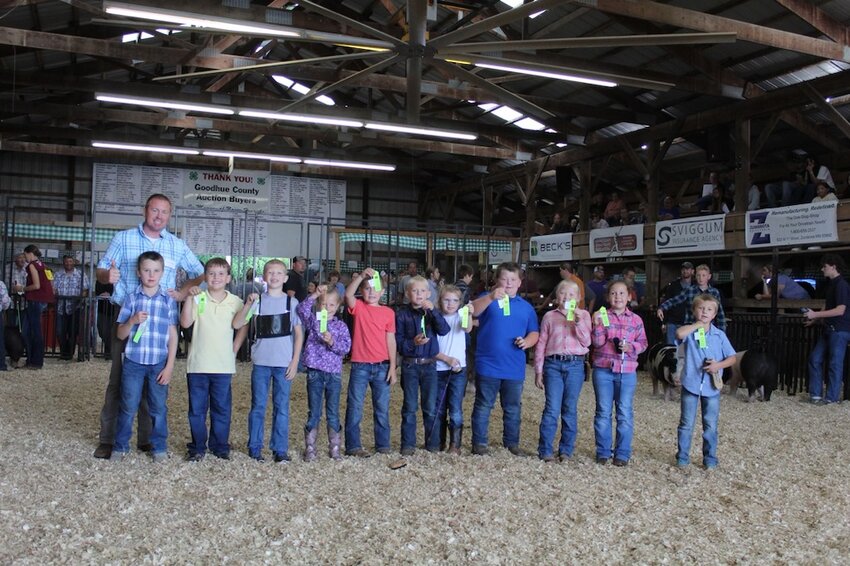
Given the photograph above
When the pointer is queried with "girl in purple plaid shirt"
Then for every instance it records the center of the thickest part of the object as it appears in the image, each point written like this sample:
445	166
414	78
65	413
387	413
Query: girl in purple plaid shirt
323	353
618	337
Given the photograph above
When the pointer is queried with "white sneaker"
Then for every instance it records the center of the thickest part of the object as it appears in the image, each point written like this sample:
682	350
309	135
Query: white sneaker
159	457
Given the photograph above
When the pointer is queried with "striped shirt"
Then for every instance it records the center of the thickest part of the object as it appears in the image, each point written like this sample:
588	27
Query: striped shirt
152	346
687	297
559	337
626	327
68	285
125	249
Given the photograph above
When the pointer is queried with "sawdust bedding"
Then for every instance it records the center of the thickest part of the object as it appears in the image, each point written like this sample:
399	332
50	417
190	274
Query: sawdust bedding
780	494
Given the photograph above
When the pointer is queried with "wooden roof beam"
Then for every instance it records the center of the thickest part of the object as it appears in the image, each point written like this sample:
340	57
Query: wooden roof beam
692	19
818	19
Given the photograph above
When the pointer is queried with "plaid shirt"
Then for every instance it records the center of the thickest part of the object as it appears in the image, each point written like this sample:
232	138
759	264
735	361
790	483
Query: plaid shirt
68	285
152	347
127	246
559	337
5	301
687	297
626	327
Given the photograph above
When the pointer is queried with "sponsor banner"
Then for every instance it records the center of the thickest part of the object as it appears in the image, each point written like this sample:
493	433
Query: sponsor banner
616	242
217	189
554	247
812	223
495	257
701	233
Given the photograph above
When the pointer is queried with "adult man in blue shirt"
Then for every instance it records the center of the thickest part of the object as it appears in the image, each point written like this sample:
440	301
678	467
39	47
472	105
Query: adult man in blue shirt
788	288
118	267
508	327
833	342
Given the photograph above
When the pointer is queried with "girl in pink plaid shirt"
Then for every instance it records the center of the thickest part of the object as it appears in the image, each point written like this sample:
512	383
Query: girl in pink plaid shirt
559	369
618	337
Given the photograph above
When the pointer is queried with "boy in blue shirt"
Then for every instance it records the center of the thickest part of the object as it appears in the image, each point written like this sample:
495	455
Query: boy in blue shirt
508	327
707	352
417	325
149	319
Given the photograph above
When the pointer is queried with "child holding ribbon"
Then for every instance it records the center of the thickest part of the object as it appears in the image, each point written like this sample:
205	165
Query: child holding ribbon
327	342
212	360
451	369
417	324
149	319
559	369
618	337
707	352
275	354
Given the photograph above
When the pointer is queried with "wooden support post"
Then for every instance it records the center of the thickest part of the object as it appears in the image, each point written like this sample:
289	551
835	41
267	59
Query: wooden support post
584	202
653	184
742	163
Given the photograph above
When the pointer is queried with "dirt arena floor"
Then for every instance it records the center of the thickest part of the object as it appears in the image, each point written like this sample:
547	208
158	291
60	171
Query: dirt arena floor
781	494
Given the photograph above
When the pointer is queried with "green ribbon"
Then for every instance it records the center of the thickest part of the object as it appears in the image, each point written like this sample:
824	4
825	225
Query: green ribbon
322	315
422	324
201	301
505	303
571	310
464	316
603	312
376	282
252	311
701	338
140	330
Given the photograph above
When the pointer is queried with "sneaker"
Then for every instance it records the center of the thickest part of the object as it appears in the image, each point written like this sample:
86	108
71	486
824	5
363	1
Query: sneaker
194	457
222	455
359	453
103	451
383	450
563	458
620	463
601	461
281	457
548	459
20	363
258	456
159	457
480	450
117	456
408	451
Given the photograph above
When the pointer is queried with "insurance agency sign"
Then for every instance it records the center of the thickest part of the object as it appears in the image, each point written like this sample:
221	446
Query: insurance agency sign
703	233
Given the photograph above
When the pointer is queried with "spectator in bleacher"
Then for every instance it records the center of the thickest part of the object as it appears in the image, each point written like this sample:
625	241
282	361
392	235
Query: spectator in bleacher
640	217
559	224
669	210
754	197
787	287
814	172
597	222
823	192
614	209
69	284
623	219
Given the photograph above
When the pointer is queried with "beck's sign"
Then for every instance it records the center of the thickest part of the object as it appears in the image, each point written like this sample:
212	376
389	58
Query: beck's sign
554	247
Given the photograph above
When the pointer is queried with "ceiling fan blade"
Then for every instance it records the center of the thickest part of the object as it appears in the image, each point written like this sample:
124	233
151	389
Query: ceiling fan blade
345	20
350	78
582	42
272	65
492	22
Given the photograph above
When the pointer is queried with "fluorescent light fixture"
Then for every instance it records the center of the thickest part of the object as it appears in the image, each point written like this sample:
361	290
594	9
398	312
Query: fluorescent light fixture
546	74
350	164
330	121
547	201
246	155
144	147
196	20
423	131
301	89
515	3
529	124
188	106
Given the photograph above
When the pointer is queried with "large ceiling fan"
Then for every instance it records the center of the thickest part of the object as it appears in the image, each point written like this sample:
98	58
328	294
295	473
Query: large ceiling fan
450	52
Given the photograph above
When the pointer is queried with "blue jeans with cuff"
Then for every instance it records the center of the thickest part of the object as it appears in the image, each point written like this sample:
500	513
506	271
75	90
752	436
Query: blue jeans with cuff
209	392
261	378
562	381
710	407
614	390
510	396
134	378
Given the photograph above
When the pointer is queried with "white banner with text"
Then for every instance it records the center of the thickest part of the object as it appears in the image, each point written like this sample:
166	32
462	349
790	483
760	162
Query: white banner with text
554	247
700	233
812	223
616	242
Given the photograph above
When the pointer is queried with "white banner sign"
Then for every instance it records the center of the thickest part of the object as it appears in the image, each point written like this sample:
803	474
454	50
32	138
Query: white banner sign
495	257
689	234
554	247
237	190
616	242
812	223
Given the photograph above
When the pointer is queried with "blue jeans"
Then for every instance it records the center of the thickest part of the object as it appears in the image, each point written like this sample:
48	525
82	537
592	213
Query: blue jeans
710	407
364	375
323	384
451	408
832	343
562	383
134	378
510	396
416	380
671	333
66	332
33	336
614	389
209	392
261	377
